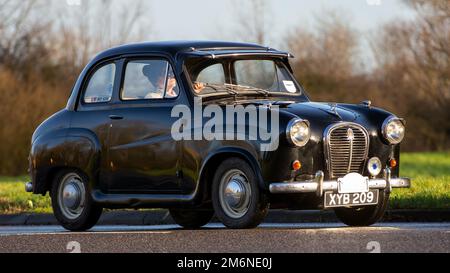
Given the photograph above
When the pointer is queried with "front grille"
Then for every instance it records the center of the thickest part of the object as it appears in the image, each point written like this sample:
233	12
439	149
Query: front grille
346	147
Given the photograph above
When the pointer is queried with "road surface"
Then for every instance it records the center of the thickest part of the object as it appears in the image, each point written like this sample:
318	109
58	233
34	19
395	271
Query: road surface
304	237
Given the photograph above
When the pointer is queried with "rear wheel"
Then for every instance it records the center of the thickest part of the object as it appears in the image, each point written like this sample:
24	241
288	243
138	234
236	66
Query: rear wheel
72	204
190	218
237	199
365	215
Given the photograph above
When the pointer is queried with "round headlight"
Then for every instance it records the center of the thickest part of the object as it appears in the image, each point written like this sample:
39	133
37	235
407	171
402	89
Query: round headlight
393	130
374	166
298	132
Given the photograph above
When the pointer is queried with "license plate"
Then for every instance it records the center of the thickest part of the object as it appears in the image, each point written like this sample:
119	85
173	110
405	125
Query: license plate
333	200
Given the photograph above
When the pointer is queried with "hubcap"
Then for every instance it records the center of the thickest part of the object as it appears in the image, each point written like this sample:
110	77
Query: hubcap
71	196
235	192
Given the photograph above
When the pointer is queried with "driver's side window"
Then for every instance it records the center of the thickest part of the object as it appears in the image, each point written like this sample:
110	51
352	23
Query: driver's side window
149	79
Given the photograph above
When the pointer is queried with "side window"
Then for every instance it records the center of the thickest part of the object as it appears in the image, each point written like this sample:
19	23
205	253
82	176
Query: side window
213	74
100	85
149	79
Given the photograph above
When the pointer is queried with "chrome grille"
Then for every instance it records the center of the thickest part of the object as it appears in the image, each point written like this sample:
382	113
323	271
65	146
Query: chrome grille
346	147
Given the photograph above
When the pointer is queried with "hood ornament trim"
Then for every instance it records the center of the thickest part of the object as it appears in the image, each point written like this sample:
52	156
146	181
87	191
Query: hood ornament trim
333	110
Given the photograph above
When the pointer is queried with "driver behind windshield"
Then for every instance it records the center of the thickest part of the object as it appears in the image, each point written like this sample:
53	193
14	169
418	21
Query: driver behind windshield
198	87
248	75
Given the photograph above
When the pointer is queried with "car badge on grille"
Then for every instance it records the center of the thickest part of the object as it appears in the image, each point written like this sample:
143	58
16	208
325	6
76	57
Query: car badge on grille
350	134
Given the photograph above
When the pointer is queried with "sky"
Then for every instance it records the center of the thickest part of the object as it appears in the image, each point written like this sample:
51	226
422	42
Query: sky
215	19
200	19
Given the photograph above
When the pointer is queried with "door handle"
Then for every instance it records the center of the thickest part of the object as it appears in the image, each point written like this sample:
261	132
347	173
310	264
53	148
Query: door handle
115	117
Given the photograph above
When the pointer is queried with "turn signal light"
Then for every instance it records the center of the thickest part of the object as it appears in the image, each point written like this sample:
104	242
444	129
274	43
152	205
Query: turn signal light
392	163
296	165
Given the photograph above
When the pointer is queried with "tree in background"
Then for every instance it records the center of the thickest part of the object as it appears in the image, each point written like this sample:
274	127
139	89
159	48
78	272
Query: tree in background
253	21
412	72
414	69
41	56
325	57
96	25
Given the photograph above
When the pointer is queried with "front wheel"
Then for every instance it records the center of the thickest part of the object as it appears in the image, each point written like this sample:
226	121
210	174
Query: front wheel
237	199
72	204
365	215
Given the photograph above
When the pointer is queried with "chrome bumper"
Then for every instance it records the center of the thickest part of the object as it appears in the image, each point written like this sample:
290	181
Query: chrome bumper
319	186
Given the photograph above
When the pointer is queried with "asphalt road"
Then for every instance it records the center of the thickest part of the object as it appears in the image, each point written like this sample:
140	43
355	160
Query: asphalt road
305	237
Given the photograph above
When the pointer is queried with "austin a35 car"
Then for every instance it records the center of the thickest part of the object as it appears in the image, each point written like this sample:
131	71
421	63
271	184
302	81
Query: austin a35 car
148	125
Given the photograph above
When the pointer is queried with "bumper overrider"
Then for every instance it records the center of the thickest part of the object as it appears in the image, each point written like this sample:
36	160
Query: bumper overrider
319	185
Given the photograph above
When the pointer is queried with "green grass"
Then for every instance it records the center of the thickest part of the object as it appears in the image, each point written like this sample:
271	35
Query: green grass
430	173
14	199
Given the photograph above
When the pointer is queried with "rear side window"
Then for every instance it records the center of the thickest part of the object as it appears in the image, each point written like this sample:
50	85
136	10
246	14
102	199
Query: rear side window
149	79
100	86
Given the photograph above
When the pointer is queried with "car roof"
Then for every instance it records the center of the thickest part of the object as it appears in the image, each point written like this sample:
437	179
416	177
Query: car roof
175	47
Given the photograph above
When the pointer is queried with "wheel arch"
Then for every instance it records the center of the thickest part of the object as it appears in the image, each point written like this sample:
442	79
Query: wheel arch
215	158
77	149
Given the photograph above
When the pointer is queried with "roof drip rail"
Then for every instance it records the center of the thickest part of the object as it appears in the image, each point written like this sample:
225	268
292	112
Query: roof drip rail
220	52
207	52
288	54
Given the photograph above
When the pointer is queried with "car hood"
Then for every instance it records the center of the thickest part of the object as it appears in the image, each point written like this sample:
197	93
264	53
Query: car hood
326	112
320	115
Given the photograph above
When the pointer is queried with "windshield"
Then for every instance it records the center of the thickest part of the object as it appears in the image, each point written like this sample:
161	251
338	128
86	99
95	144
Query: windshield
245	76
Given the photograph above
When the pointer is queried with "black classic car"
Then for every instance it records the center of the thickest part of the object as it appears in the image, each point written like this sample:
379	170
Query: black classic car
145	127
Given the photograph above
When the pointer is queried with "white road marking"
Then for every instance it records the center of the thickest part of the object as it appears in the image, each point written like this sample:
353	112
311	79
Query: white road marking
166	229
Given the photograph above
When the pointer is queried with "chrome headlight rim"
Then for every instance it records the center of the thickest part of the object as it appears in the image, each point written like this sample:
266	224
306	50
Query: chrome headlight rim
386	123
289	137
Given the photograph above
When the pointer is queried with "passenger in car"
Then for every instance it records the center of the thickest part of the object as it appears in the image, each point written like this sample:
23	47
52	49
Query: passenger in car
156	76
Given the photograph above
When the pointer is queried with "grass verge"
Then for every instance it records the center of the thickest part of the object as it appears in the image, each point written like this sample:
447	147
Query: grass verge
430	173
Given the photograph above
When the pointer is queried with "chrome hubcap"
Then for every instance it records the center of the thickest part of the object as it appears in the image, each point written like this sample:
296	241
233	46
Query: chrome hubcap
71	196
235	192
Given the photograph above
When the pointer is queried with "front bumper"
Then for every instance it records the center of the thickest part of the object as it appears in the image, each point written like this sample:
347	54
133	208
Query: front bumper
319	186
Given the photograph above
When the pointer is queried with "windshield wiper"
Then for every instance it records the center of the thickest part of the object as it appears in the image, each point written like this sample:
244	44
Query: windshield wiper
220	87
249	89
233	89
